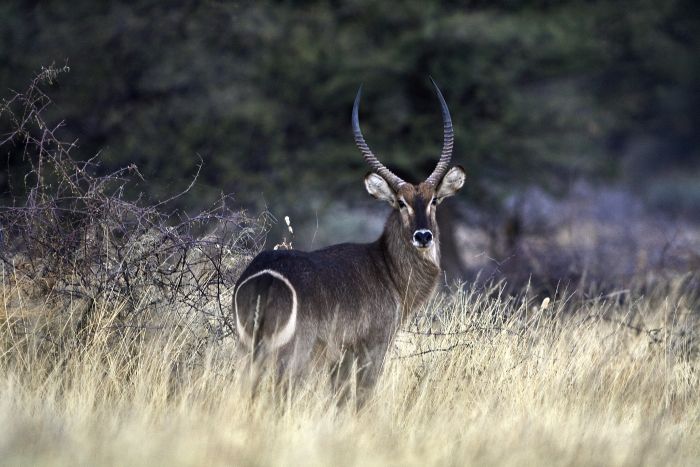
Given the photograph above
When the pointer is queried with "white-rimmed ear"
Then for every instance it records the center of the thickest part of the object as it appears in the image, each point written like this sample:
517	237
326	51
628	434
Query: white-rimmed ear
451	183
379	188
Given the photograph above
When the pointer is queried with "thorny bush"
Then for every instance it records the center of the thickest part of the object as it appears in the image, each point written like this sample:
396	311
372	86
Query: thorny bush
69	235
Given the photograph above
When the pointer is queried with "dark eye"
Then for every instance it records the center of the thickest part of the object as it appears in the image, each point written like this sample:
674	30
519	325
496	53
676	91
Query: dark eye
402	204
434	202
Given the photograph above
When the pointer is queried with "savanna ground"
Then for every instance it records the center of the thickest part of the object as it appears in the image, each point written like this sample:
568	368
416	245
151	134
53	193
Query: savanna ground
115	348
476	379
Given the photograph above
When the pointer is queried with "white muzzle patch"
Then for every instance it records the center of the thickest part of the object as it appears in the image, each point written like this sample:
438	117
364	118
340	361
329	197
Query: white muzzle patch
422	238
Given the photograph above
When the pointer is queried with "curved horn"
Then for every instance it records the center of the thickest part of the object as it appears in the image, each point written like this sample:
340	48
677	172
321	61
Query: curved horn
448	139
394	181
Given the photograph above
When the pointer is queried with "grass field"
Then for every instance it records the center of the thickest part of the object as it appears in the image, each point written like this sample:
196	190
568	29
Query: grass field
475	379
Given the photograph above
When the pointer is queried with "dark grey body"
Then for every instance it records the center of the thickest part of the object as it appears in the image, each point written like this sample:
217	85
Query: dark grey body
345	303
351	299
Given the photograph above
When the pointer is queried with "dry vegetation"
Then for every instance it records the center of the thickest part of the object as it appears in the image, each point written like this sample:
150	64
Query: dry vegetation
476	379
115	349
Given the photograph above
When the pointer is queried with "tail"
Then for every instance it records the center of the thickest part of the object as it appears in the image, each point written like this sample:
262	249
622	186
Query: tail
266	306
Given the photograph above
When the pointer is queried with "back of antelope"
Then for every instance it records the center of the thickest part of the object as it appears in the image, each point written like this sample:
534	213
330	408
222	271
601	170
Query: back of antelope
345	302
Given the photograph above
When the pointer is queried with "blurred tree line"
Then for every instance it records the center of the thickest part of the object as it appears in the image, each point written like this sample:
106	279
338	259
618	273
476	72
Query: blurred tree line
541	91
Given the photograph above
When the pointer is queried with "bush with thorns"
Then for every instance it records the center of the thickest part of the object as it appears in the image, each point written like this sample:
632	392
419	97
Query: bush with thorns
72	239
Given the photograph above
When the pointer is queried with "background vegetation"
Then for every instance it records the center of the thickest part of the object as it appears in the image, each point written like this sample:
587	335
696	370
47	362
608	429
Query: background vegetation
571	97
542	92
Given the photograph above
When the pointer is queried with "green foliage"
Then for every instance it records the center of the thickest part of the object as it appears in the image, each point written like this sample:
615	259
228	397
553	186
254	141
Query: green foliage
540	91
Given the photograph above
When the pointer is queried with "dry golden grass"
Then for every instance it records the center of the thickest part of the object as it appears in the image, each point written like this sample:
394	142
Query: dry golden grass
475	380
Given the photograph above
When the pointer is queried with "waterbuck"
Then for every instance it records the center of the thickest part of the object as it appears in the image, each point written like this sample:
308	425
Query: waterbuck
344	303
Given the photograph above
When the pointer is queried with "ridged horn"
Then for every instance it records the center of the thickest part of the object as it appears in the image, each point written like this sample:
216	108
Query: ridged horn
392	179
448	139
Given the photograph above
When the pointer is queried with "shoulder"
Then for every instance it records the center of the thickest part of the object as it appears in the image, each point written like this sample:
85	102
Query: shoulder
342	249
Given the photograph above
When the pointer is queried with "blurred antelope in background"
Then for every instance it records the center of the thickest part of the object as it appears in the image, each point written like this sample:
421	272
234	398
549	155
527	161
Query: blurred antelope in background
344	303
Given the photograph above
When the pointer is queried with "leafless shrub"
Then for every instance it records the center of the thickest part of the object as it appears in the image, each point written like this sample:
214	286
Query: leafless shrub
71	237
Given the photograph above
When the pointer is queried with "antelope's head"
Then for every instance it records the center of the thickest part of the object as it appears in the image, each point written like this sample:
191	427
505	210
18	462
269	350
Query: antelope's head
416	204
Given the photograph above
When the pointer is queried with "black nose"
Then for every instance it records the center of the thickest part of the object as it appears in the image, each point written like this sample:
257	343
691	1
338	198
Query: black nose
423	237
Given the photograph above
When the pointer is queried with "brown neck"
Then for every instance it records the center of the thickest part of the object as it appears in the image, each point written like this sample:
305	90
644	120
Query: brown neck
413	273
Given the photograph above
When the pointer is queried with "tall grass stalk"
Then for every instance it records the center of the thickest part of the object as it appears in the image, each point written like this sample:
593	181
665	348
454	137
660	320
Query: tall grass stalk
476	379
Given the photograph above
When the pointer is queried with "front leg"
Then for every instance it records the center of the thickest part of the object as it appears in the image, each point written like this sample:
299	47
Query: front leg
357	369
370	361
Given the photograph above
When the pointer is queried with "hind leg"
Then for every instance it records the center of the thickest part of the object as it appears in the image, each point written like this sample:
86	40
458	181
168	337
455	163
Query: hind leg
285	366
293	360
252	368
342	377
